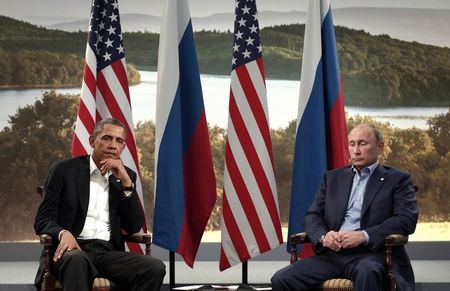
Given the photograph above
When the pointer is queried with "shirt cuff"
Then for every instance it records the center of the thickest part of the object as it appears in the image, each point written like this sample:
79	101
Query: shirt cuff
367	237
60	233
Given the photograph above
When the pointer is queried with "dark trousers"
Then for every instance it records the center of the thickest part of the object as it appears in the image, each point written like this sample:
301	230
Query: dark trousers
365	268
77	269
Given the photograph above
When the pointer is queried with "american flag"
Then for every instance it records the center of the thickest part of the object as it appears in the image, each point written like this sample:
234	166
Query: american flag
250	217
104	92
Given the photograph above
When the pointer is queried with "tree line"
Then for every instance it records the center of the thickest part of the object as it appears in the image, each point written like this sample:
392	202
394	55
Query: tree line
44	69
40	134
375	70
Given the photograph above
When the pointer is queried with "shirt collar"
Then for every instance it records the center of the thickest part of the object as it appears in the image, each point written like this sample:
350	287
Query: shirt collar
370	168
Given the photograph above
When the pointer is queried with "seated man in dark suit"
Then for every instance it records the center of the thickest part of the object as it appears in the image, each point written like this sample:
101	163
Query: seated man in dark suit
355	208
87	200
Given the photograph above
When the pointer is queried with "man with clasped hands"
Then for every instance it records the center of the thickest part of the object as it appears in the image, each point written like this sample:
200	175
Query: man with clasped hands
354	209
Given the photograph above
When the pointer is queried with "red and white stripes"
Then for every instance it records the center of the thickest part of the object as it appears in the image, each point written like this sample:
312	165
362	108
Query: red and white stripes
250	217
105	94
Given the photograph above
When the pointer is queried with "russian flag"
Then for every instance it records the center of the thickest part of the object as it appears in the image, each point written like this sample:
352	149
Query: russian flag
321	140
185	186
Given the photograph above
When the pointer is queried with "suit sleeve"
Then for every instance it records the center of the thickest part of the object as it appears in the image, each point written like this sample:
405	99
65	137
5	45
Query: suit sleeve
315	224
131	210
404	213
48	211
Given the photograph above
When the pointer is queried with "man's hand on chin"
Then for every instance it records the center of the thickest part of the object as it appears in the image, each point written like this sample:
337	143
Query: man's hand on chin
117	168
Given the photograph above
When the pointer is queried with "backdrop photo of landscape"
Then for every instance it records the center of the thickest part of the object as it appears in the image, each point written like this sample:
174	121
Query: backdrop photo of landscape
394	56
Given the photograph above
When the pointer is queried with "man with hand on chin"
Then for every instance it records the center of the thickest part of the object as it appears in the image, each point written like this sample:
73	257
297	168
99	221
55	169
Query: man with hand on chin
354	209
87	201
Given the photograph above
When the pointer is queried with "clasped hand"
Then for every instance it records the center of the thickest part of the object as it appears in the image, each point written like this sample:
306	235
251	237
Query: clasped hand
343	239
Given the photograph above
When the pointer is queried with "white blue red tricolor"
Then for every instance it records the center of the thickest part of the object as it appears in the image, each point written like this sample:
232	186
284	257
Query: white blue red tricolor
250	218
185	186
321	141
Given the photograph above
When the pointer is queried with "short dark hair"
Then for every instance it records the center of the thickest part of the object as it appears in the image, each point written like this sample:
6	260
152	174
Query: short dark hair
113	121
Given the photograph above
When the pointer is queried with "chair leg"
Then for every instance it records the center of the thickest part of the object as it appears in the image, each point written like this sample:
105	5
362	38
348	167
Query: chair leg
48	280
48	283
390	275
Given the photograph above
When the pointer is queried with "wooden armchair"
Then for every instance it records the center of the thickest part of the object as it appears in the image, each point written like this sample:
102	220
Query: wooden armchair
342	284
49	282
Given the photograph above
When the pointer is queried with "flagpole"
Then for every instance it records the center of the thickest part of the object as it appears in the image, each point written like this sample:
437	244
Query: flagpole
171	270
245	272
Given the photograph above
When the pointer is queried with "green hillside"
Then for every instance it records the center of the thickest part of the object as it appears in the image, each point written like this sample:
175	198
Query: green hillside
375	70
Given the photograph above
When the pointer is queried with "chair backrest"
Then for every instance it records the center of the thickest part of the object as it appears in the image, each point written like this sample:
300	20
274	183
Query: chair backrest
40	190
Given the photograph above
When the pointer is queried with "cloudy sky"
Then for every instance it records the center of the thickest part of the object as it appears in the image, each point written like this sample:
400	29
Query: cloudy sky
81	8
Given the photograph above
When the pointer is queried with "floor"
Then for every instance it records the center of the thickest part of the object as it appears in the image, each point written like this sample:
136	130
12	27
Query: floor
22	273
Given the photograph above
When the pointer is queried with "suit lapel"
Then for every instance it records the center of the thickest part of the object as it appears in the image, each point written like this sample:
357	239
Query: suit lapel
82	180
345	187
114	186
376	181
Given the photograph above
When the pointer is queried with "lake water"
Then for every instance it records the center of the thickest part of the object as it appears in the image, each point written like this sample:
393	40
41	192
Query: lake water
282	100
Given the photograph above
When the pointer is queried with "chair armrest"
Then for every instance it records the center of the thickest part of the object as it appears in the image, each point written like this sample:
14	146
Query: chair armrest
294	240
45	239
138	237
299	238
141	238
396	240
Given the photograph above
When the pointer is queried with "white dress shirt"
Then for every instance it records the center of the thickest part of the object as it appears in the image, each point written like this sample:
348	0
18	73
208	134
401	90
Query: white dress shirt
97	225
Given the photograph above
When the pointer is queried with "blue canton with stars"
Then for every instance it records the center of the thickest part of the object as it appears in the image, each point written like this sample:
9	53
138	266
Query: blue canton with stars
247	42
105	34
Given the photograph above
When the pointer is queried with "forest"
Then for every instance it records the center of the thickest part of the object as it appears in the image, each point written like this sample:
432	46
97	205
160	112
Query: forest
376	70
44	69
40	134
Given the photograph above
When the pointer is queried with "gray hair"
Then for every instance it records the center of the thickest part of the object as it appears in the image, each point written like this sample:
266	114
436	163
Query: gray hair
376	131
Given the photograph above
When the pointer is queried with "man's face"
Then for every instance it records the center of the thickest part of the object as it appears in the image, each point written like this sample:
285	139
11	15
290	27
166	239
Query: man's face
363	147
109	143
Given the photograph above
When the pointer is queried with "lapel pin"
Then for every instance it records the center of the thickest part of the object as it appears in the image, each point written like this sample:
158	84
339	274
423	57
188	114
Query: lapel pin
118	181
382	179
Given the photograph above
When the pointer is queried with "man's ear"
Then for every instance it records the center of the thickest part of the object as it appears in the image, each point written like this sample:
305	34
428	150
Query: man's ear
91	140
380	147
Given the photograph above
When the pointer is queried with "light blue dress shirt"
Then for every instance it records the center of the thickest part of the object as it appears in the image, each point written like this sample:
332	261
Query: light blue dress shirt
352	219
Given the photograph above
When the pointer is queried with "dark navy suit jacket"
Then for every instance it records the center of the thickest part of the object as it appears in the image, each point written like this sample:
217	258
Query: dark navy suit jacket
389	207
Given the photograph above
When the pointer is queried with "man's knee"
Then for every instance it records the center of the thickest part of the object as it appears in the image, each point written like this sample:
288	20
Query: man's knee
75	259
155	268
160	268
76	269
370	267
369	275
278	281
